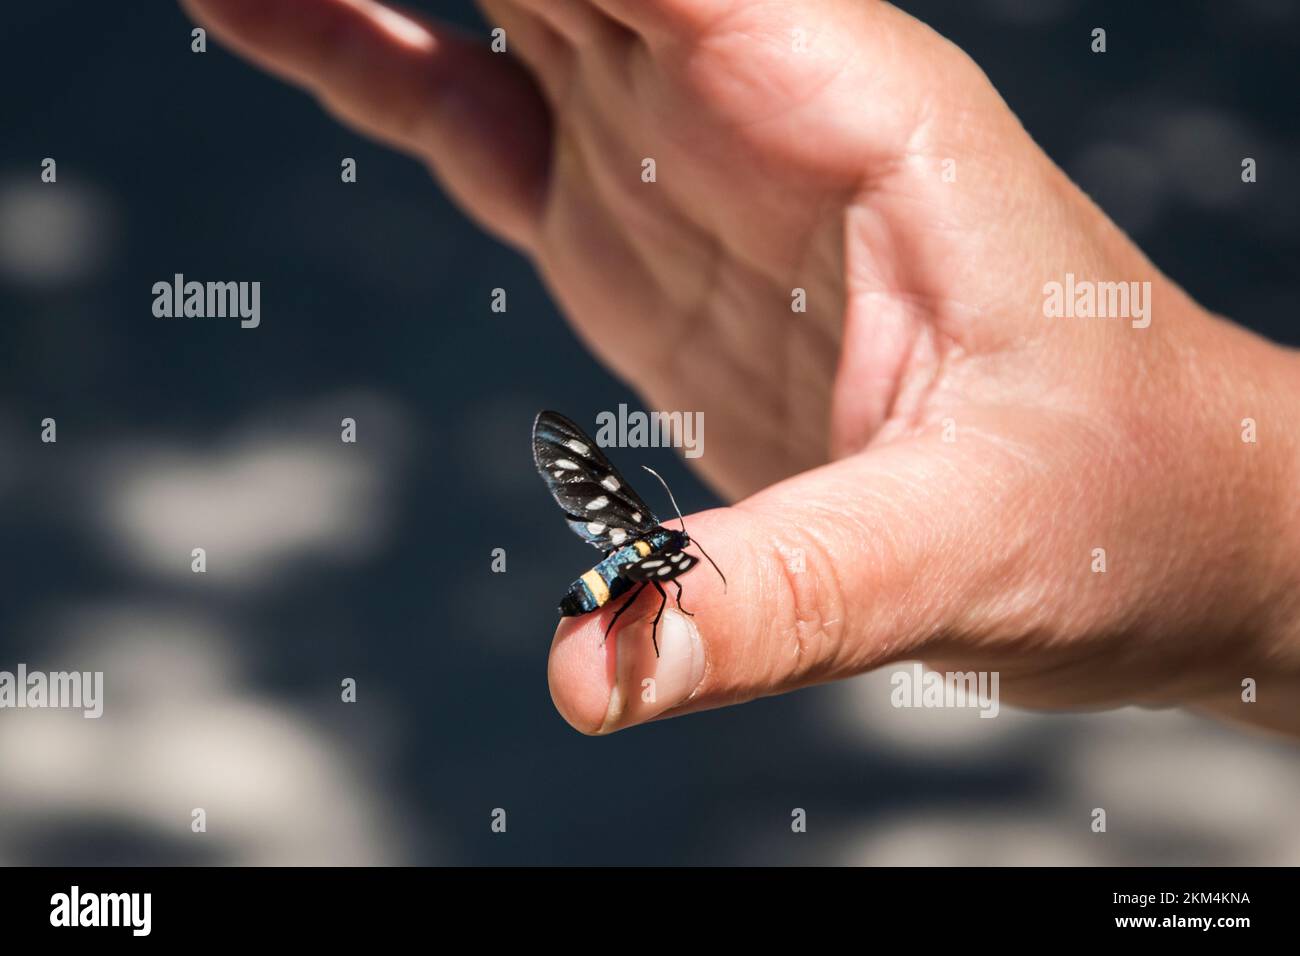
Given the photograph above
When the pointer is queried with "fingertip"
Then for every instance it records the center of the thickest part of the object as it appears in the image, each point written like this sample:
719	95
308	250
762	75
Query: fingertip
580	673
600	686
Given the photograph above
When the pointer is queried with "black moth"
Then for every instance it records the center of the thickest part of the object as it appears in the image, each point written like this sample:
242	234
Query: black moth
608	514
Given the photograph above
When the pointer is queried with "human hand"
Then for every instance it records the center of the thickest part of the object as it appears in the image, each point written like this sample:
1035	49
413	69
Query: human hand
981	451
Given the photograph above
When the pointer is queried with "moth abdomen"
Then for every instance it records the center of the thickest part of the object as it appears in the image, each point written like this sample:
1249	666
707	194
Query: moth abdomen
593	590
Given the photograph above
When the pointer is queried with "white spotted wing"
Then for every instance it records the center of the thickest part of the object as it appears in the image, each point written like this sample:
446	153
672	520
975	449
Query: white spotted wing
600	506
661	566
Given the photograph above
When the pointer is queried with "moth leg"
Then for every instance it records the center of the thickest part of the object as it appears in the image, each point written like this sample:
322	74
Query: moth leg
654	629
619	613
679	599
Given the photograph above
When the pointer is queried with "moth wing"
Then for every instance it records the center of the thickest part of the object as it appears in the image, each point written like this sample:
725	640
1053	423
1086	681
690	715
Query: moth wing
601	507
660	566
604	532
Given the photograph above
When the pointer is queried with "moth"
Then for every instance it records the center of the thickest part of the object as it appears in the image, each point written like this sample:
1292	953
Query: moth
607	513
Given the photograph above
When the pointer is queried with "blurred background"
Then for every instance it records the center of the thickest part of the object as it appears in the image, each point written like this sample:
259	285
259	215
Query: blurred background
373	561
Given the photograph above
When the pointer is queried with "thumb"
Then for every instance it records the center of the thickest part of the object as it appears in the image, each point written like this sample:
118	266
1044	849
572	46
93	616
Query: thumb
832	573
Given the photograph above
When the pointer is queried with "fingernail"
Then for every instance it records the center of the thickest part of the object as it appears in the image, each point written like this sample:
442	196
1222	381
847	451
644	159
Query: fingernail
646	685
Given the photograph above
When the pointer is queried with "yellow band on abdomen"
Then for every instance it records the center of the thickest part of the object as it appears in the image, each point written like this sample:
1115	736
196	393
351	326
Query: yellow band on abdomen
642	548
597	586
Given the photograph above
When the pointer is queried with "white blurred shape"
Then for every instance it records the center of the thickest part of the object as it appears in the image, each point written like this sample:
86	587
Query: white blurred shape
260	501
1219	796
862	708
52	233
1203	150
978	838
1176	788
177	735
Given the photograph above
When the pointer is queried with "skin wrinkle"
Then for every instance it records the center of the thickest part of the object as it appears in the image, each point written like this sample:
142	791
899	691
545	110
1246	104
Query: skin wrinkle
733	483
687	329
559	129
905	370
1185	678
731	355
554	48
906	408
566	147
820	567
779	426
749	362
944	345
795	424
683	208
782	426
948	545
742	405
807	98
1021	452
825	599
648	250
884	551
803	605
634	60
736	251
574	20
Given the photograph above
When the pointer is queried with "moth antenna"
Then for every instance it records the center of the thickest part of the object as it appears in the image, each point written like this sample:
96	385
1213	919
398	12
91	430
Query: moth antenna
670	494
683	521
714	563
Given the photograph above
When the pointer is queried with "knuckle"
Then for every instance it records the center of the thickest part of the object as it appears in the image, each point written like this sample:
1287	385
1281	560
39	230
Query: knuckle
809	626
